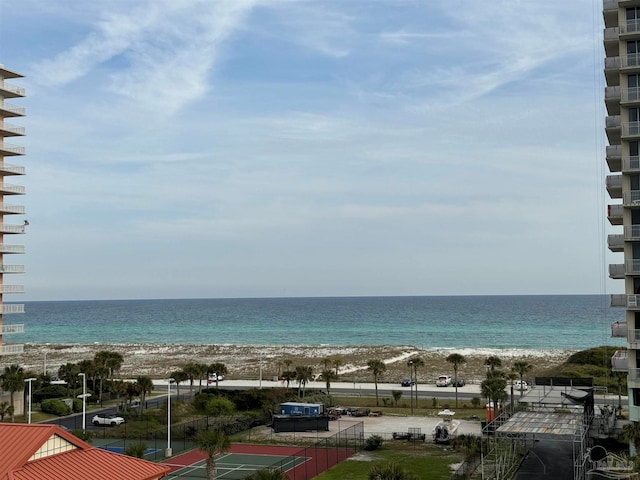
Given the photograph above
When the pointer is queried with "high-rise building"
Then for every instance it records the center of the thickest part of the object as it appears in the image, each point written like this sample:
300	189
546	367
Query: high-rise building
10	228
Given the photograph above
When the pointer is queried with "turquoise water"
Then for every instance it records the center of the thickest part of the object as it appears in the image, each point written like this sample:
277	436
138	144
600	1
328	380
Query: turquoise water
532	322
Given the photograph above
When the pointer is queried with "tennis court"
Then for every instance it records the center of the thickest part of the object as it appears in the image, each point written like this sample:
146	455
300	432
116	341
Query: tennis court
148	451
236	466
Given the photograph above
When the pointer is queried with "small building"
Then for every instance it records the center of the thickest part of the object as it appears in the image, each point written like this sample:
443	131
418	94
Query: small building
300	423
296	408
48	451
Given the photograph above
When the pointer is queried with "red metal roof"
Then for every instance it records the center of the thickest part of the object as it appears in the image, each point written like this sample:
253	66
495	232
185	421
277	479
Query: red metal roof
18	442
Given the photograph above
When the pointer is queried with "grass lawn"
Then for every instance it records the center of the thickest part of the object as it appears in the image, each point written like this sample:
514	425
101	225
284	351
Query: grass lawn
425	461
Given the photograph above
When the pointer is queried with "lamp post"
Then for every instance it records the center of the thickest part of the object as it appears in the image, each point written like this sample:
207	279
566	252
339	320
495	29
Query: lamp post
29	380
84	400
168	452
410	363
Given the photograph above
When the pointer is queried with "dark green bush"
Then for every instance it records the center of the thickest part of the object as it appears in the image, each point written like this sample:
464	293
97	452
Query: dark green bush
374	442
55	406
50	391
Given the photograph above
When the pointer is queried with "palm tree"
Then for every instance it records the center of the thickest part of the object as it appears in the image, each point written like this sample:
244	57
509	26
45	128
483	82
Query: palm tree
492	363
220	369
5	409
389	471
337	363
69	373
456	360
210	442
12	381
414	363
326	363
327	375
631	434
179	376
377	368
521	367
144	385
267	474
303	375
191	369
288	376
493	388
201	373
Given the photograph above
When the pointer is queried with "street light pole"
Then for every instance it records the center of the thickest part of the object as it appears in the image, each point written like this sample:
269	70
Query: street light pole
29	380
84	400
168	452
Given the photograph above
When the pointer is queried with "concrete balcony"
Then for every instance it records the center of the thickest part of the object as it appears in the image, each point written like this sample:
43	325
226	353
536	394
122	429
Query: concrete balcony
611	40
8	149
11	349
614	214
613	184
11	268
612	99
10	329
616	271
7	90
618	300
10	308
9	110
619	330
631	198
11	289
619	361
12	209
615	242
613	129
10	189
9	228
631	164
9	130
612	67
614	158
4	248
8	169
610	13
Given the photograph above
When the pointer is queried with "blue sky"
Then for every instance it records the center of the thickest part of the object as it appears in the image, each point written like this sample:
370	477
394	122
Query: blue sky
201	148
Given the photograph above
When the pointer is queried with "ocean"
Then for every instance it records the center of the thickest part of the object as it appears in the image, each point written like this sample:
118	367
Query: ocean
535	322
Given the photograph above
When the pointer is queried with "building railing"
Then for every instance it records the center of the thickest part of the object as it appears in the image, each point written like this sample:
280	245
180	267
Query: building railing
612	63
15	129
631	26
631	129
632	232
630	163
632	266
14	149
8	87
15	109
630	94
6	228
619	361
9	308
11	288
631	198
7	208
614	151
15	169
11	349
633	337
614	240
634	374
10	188
11	248
611	34
611	181
11	268
13	328
616	270
612	121
630	60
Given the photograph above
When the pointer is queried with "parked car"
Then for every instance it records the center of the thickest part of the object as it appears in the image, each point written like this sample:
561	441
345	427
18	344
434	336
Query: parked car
407	382
458	383
213	378
520	385
443	381
107	420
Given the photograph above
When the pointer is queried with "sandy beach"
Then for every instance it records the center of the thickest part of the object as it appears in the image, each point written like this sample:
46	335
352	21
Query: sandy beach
243	361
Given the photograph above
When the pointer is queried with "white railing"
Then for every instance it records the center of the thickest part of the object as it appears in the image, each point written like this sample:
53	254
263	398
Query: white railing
6	228
16	110
11	268
11	288
631	197
15	169
619	361
631	163
19	189
12	349
632	25
632	232
633	301
8	127
633	337
630	94
14	328
12	308
631	129
631	60
632	266
11	248
13	89
9	147
6	208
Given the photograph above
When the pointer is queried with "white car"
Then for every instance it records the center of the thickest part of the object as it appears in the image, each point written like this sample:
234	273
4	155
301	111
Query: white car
520	385
213	378
107	420
443	381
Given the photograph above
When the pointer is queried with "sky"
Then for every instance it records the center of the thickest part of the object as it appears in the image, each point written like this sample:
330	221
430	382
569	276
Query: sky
280	148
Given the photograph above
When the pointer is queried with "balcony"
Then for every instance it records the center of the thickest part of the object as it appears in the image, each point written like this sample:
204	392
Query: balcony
633	338
14	328
8	90
617	300
630	27
619	330
612	70
615	242
8	169
8	149
12	209
632	266
616	271
614	157
631	198
619	361
611	39
632	233
612	99
10	189
631	164
613	126
610	13
11	268
9	228
614	214
9	308
11	289
629	61
613	184
629	95
11	349
4	248
9	130
9	110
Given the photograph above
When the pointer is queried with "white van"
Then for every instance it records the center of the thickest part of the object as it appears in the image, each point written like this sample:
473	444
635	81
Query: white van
443	381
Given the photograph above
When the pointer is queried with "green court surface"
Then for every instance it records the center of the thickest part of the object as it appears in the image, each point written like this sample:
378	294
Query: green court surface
237	466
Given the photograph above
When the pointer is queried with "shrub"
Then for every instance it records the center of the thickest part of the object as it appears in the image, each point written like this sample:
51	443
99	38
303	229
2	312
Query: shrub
136	449
50	391
374	442
475	401
55	406
219	406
